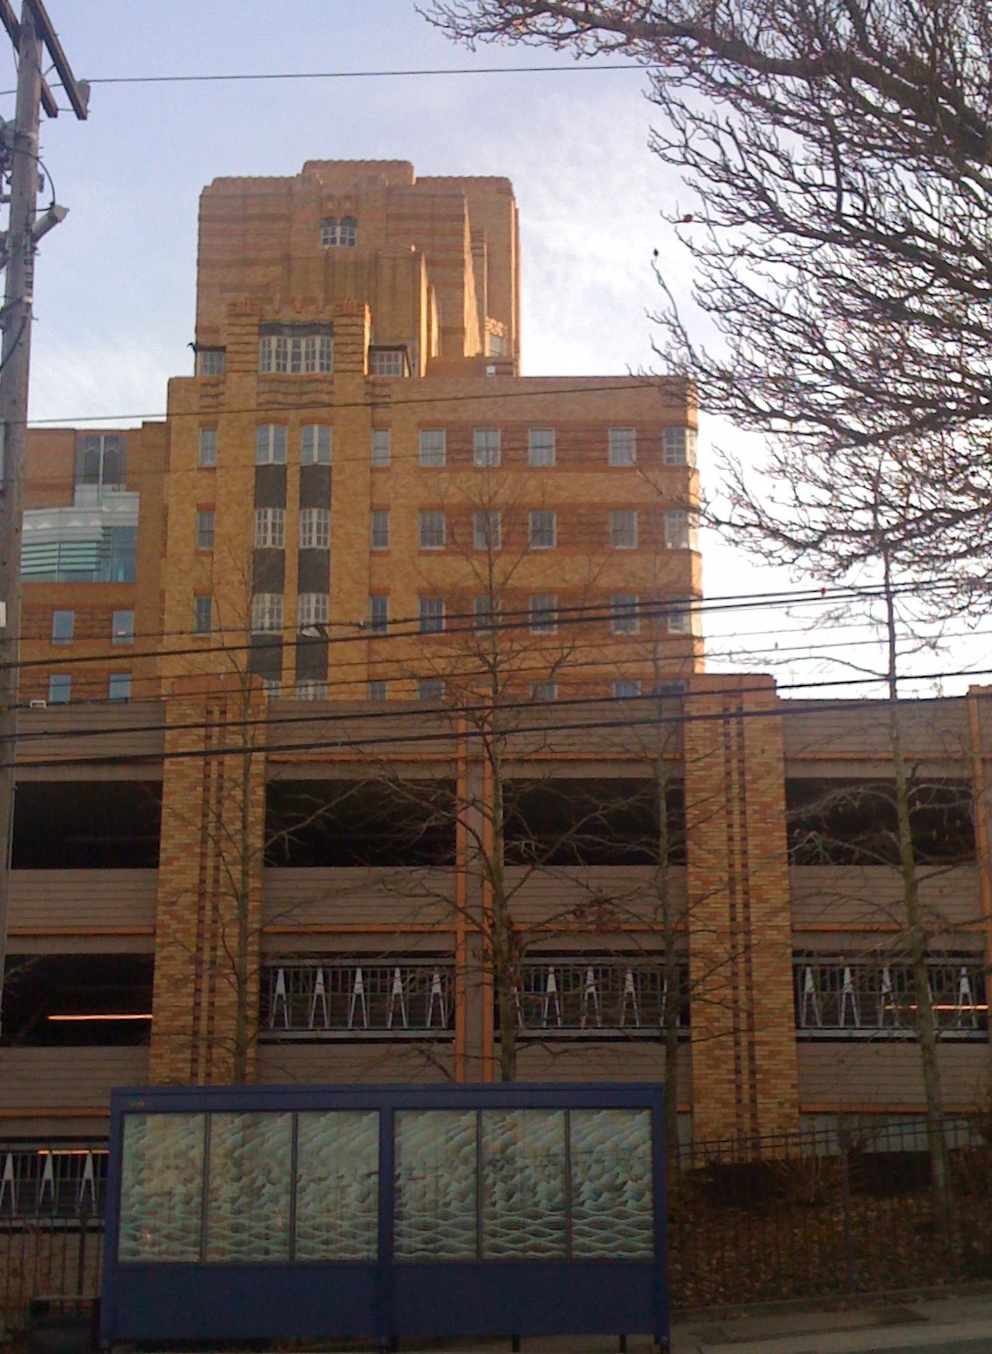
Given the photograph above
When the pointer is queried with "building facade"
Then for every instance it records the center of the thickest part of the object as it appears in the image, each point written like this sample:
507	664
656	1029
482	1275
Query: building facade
371	732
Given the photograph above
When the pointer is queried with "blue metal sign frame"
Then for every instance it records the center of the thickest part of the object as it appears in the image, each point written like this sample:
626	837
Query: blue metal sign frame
385	1297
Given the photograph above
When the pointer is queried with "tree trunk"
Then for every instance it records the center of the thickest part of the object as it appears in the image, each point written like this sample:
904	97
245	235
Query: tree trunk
917	938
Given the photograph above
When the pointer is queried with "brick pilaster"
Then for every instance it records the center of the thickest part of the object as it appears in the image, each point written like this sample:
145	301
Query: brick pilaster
745	1080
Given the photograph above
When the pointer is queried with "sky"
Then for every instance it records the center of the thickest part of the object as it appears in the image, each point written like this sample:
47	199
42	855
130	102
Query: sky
115	283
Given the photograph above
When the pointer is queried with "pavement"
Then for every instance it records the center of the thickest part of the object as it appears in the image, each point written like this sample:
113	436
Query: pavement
955	1324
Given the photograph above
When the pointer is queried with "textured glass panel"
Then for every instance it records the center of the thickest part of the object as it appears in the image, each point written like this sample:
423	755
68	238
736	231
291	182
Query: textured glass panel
161	1187
435	1185
523	1184
612	1187
248	1187
337	1186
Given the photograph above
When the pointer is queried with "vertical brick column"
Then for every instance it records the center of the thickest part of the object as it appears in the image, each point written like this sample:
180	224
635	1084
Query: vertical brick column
980	734
209	882
744	1072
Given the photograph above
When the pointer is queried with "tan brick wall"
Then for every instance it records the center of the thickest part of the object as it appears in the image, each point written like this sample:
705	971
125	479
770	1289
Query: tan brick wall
209	883
740	941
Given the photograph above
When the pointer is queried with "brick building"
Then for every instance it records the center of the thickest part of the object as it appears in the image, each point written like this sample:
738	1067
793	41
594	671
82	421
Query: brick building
274	636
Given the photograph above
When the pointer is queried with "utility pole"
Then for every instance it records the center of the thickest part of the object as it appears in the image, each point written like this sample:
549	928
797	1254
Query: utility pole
19	158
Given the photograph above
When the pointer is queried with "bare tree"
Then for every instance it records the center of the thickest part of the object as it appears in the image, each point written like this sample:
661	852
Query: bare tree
836	157
856	521
493	657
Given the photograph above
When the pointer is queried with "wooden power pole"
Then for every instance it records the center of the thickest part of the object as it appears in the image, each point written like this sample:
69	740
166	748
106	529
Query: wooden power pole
25	227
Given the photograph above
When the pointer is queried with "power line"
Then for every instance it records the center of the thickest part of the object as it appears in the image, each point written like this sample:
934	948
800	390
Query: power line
387	400
415	72
502	620
413	710
449	715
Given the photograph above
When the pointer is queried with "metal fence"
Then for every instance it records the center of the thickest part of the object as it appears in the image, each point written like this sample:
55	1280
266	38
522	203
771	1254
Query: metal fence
51	1224
841	1208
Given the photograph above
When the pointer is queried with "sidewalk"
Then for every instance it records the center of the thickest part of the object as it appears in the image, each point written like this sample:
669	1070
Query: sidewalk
959	1324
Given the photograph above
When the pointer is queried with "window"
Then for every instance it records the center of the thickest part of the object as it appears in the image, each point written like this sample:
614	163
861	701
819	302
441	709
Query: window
487	530
679	446
103	555
270	444
625	619
431	615
540	446
382	447
315	528
123	552
119	688
626	690
311	691
544	691
122	627
377	691
430	689
484	609
266	611
205	529
59	689
623	446
677	530
543	529
315	444
432	530
207	451
623	529
63	624
339	231
544	613
388	362
433	446
378	614
680	616
312	608
486	446
288	351
272	688
379	528
270	528
101	460
203	614
211	361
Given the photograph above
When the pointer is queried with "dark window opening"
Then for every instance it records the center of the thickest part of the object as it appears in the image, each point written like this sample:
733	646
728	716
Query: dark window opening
835	822
335	824
592	822
87	825
77	1000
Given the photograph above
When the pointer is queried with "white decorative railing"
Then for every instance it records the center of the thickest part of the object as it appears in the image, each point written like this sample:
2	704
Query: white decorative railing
314	999
869	998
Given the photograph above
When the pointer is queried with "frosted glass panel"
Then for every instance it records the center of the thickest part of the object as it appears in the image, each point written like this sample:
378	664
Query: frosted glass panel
337	1185
248	1187
161	1187
611	1184
523	1184
435	1185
